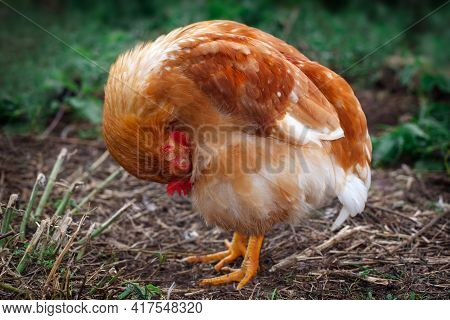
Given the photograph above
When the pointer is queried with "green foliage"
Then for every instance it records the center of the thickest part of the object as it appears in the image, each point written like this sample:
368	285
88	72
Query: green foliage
86	107
423	77
274	294
41	74
425	140
416	296
136	291
71	203
48	264
365	271
161	257
390	296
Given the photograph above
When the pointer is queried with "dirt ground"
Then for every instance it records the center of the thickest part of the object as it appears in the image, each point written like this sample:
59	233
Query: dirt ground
401	250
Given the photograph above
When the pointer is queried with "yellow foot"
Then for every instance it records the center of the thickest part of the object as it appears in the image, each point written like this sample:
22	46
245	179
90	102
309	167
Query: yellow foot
235	250
248	269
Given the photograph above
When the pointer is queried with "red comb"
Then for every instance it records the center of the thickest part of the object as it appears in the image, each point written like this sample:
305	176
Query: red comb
180	137
181	186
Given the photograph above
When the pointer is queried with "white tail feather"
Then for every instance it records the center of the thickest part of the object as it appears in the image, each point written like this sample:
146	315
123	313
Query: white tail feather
353	198
343	215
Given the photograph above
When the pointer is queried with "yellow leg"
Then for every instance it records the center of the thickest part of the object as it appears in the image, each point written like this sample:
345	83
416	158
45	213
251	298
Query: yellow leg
235	250
248	269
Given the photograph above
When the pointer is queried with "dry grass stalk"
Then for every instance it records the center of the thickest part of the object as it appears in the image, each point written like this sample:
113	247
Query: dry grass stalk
50	183
6	235
99	187
66	198
421	268
8	216
291	260
40	181
349	274
85	242
60	232
428	226
93	166
60	257
376	207
10	288
37	235
108	222
77	181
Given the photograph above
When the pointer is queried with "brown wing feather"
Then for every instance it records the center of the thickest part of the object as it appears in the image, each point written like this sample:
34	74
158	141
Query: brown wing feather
240	78
356	148
249	79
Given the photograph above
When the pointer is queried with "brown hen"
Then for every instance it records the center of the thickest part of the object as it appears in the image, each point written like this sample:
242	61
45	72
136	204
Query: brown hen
254	130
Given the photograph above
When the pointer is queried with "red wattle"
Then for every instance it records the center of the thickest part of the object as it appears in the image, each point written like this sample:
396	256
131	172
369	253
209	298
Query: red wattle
181	186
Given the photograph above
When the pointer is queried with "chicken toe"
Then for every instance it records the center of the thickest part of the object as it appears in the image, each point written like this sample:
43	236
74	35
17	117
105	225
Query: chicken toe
248	269
236	249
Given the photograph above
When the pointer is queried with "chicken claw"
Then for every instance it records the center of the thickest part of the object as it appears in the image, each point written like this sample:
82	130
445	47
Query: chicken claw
248	269
235	250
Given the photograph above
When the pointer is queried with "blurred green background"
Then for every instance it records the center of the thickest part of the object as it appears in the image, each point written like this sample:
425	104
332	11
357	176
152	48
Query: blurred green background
402	79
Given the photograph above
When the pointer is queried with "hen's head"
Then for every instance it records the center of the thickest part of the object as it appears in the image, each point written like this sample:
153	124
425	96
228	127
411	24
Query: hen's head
140	127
